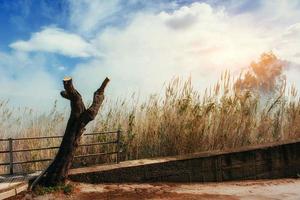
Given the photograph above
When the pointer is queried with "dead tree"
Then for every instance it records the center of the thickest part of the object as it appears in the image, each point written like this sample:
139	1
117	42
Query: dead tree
57	172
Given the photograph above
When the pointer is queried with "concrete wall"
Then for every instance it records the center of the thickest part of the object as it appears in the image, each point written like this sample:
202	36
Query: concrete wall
277	160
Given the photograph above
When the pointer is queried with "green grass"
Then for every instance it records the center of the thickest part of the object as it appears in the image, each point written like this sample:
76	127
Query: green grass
66	189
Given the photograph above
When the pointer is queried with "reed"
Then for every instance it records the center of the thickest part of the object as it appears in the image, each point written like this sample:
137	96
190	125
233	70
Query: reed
180	121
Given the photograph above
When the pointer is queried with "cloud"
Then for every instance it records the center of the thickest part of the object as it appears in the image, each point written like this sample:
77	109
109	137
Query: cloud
25	80
195	39
287	43
153	46
86	16
55	40
188	15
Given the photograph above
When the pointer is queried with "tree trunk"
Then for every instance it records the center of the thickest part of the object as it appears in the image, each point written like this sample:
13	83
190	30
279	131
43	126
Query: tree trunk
57	172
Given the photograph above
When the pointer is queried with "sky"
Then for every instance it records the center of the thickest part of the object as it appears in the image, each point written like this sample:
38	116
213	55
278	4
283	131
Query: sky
139	44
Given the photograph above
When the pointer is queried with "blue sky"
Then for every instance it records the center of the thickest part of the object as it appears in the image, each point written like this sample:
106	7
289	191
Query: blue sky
139	44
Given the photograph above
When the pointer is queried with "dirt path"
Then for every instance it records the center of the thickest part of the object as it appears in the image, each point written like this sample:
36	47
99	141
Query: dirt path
247	190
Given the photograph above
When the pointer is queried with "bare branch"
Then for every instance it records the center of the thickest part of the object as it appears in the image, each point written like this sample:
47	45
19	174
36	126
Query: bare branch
73	95
103	85
65	95
92	111
69	88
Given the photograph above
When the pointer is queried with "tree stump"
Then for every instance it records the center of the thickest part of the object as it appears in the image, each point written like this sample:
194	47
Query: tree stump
57	172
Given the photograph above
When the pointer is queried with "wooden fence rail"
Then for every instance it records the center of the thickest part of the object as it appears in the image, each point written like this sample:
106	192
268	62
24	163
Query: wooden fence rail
11	151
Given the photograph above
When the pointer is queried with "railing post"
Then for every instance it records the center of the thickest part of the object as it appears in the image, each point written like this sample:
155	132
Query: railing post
118	146
11	156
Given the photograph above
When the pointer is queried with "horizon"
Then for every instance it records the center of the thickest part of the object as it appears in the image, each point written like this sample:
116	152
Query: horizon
139	45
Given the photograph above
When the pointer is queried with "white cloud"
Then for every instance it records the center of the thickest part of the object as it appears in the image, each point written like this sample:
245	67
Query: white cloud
278	13
197	39
56	40
87	16
288	43
190	15
25	81
153	48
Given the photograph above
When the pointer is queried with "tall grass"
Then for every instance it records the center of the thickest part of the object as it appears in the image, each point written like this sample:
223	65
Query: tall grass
180	121
184	121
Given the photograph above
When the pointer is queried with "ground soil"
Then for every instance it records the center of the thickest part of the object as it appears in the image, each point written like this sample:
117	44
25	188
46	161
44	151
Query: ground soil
243	190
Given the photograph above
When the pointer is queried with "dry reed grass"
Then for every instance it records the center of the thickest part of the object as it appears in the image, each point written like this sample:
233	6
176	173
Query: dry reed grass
180	121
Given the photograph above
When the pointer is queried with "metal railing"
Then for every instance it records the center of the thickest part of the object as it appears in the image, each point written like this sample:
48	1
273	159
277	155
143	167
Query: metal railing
11	151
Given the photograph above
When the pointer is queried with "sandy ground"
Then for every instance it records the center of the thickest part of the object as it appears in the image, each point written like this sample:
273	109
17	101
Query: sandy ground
246	190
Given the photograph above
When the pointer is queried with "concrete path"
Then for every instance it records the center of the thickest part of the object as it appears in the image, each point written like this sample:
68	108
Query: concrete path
11	185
